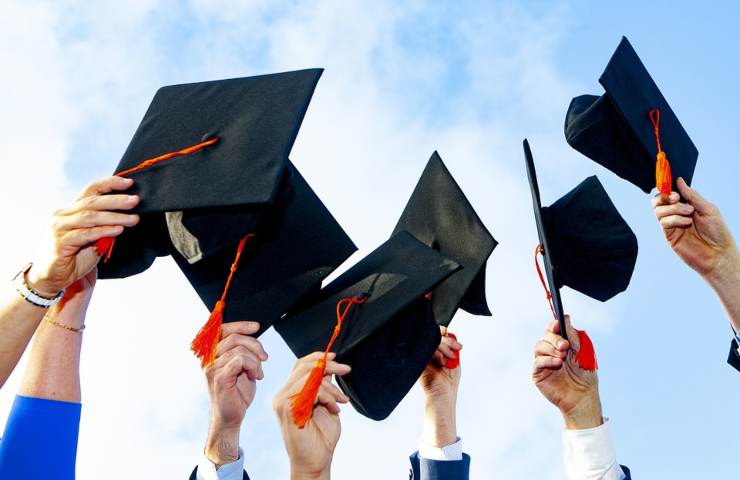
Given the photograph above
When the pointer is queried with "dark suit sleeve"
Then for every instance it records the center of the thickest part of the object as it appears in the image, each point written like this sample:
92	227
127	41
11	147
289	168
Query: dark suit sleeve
195	471
425	469
734	357
628	475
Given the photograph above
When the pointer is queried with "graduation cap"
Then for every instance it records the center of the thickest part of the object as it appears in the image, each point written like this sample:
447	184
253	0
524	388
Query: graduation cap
439	215
734	356
378	320
219	147
294	245
631	129
585	242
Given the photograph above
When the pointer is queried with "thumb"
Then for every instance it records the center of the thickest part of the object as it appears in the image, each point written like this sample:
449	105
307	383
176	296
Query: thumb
691	196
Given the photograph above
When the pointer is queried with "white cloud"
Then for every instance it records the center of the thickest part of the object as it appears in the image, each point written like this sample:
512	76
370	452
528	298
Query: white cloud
385	103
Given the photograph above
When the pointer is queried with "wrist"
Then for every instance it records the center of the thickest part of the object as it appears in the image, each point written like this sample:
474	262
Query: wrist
297	474
726	271
440	423
41	282
585	414
222	446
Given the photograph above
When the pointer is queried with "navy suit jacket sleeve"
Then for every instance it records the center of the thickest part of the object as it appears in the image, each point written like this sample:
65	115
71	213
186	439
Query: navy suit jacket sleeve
425	469
734	358
195	472
627	473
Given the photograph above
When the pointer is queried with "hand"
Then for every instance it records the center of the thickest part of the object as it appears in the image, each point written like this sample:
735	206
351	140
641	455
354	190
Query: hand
93	216
232	384
311	448
696	231
566	385
440	385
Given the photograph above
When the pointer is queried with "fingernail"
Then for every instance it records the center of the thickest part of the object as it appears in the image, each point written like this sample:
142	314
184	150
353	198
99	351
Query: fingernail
132	198
133	220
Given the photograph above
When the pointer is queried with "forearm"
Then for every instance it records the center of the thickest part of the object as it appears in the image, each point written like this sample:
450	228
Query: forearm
53	370
326	475
222	445
725	281
440	422
18	321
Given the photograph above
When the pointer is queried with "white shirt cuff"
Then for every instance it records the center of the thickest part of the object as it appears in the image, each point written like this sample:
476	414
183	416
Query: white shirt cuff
449	453
589	454
229	471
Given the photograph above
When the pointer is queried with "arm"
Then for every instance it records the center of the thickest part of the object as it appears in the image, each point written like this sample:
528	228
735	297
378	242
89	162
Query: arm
70	257
440	454
311	448
697	233
232	384
588	448
46	414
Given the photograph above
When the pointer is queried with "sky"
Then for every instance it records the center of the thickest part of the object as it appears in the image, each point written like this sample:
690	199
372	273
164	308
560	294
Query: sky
402	79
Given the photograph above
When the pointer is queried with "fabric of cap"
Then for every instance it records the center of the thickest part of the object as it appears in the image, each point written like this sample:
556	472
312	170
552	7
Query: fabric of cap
439	215
389	338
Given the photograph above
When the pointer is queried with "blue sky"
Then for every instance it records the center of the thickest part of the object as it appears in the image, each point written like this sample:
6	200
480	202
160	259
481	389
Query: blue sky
470	79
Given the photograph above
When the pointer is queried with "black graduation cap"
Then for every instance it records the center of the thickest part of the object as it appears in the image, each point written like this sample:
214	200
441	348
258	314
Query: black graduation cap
439	215
587	244
390	338
734	357
231	139
296	244
616	130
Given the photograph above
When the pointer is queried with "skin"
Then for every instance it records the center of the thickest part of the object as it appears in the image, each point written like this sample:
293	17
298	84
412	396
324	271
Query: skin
574	391
232	384
311	448
440	386
69	256
53	370
696	231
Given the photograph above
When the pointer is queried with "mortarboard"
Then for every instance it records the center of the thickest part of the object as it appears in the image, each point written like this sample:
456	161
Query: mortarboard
439	215
211	145
734	356
631	129
585	242
386	333
296	244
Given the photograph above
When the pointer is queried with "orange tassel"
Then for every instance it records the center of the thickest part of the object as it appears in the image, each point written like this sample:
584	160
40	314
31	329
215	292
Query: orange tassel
585	357
663	177
205	342
453	363
105	245
301	404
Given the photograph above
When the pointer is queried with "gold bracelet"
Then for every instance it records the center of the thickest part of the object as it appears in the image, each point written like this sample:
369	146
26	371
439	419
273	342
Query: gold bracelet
66	327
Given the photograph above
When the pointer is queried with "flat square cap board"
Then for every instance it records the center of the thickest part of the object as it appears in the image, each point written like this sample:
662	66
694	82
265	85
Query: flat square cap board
390	338
439	215
220	144
616	129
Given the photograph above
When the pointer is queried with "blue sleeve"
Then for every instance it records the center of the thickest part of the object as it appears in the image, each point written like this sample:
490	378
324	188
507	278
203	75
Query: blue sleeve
40	440
425	469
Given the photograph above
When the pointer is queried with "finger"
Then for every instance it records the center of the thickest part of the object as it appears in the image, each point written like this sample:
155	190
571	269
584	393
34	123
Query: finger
693	197
243	363
675	209
338	369
547	363
82	237
241	328
451	341
443	330
544	349
106	185
553	327
305	364
250	343
446	350
334	391
676	221
327	400
556	341
103	203
659	200
438	359
227	355
92	218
